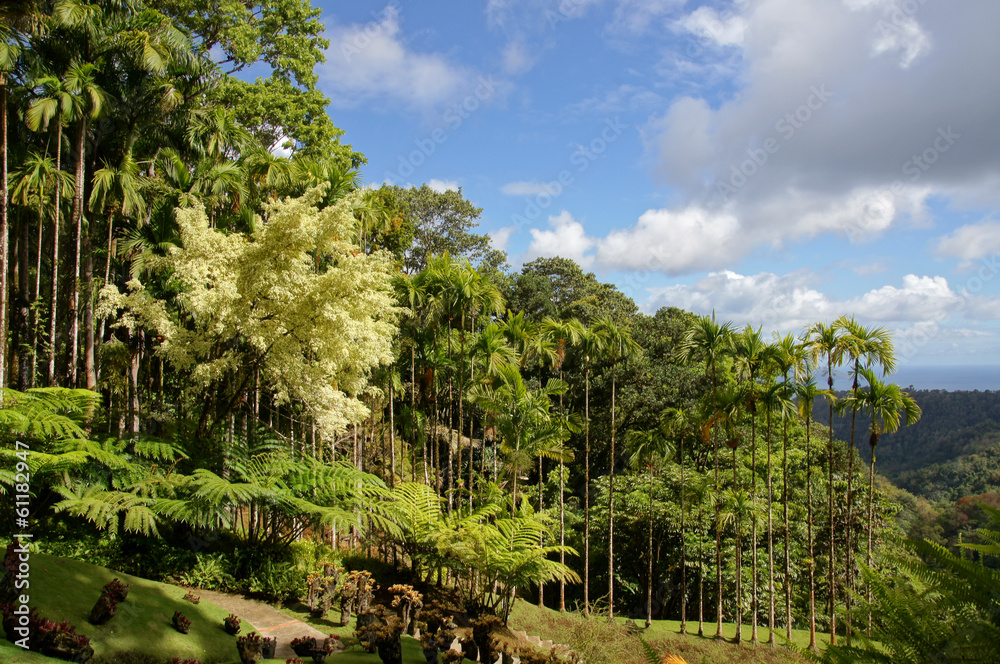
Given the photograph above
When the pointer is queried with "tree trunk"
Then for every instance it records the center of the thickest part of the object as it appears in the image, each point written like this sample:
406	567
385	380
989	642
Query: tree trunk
770	539
738	540
611	508
4	231
586	495
77	224
683	548
755	591
809	534
52	379
649	553
830	578
788	564
25	358
89	360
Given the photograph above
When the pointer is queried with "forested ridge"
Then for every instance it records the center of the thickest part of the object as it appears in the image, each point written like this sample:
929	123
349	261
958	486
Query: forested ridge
954	424
231	365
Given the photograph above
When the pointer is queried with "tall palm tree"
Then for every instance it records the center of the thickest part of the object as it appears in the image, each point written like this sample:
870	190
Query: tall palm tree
709	340
749	356
522	420
81	79
18	19
647	449
565	333
863	347
34	184
776	402
806	393
619	347
885	403
824	340
54	101
678	424
789	360
592	343
117	190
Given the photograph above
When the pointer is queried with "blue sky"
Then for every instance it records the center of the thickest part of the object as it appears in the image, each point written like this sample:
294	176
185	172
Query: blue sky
778	161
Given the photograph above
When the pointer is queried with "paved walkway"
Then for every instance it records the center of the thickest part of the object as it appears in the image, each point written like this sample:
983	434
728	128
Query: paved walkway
267	620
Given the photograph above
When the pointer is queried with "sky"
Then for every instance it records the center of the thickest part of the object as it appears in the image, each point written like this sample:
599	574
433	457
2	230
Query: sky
778	162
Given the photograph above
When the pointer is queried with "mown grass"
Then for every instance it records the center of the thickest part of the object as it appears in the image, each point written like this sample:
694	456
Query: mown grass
598	642
66	589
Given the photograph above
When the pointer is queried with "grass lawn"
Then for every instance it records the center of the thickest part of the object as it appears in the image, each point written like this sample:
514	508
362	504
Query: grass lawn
66	589
664	635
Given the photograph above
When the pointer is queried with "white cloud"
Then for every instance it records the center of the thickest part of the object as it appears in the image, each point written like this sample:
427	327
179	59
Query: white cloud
789	302
373	61
517	59
871	269
726	29
501	237
442	186
673	242
860	107
530	188
971	242
567	238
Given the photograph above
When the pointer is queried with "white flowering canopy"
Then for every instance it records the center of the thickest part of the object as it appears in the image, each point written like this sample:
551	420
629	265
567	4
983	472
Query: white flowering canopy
296	299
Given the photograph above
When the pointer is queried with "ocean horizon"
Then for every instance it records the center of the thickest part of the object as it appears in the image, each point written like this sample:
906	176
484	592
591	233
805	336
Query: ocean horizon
967	377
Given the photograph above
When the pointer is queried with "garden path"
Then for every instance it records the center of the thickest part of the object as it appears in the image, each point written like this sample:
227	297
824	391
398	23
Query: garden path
267	620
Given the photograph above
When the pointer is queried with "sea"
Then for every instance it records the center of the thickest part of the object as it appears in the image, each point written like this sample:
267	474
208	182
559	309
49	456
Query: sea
967	377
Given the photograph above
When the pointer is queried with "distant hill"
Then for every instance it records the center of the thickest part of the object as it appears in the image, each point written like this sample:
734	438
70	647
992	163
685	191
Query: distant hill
953	451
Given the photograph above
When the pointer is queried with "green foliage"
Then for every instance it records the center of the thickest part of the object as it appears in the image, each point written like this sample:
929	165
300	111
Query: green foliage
938	606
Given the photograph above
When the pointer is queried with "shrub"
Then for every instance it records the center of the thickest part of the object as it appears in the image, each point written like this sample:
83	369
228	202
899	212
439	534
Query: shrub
181	623
231	624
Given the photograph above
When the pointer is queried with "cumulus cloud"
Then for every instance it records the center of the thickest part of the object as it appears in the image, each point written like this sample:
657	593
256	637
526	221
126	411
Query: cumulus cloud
809	145
367	62
441	186
792	301
726	29
566	237
500	238
971	242
672	242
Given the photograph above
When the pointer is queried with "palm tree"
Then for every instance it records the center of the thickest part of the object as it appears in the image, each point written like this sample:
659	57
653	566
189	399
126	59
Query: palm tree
824	340
678	425
863	346
885	403
749	355
34	183
522	420
709	340
647	449
17	19
592	343
806	393
566	333
53	101
116	191
619	347
789	358
775	400
81	79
